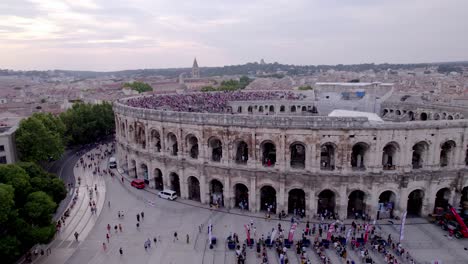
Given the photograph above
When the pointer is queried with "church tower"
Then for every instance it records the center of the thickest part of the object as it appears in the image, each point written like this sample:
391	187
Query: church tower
195	70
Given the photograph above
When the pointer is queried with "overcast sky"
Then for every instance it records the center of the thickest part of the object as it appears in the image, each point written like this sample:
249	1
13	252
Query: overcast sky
131	34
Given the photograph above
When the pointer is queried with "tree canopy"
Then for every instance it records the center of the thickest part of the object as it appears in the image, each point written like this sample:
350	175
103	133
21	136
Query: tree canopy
40	137
140	87
26	208
85	123
229	85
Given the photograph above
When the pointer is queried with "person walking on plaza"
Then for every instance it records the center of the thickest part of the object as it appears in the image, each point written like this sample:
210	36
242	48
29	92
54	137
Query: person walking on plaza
188	239
108	228
120	227
121	251
76	236
138	217
175	237
107	237
104	246
142	215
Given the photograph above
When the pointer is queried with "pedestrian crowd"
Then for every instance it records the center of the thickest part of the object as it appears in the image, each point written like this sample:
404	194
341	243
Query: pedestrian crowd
206	102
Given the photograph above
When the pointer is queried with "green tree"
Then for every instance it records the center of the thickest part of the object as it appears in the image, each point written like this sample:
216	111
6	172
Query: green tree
18	178
7	202
39	208
38	139
140	87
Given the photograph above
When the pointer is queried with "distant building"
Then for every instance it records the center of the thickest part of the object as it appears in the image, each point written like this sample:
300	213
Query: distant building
195	69
8	126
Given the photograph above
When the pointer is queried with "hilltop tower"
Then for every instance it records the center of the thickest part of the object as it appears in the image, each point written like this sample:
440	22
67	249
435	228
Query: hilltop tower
195	70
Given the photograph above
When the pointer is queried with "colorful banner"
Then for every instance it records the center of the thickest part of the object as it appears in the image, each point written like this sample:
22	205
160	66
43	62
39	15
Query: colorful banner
291	232
402	227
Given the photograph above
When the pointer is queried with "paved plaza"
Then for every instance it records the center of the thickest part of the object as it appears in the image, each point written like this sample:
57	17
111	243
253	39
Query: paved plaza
425	241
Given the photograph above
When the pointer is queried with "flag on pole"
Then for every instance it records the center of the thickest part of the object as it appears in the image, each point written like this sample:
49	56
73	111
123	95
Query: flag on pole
291	232
402	227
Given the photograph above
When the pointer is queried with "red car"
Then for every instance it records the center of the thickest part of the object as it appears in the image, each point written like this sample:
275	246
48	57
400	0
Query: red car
139	184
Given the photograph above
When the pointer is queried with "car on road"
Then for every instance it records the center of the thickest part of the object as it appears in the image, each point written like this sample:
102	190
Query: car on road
138	183
168	194
112	163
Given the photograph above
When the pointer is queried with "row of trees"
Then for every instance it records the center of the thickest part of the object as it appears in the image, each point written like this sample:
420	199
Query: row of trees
140	87
229	85
44	136
28	198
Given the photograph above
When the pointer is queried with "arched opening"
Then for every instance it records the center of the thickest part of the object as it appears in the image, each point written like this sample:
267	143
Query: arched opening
298	155
356	204
326	203
268	199
420	153
304	109
216	148
464	202
358	156
140	135
411	115
122	130
297	202
158	180
327	156
156	140
423	116
389	156
442	200
314	110
444	115
192	144
241	196
293	108
385	112
250	109
436	116
260	109
172	146
398	112
216	193
239	109
175	183
144	173
415	201
282	109
447	153
450	117
242	153
268	154
132	171
193	188
466	157
272	109
386	204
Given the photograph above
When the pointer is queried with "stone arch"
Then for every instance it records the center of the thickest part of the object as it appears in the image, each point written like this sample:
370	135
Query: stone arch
386	204
356	203
158	179
304	109
282	108
297	202
398	112
132	170
411	115
172	144
268	149
390	155
464	200
140	134
156	140
144	173
193	188
215	146
415	202
326	202
466	156
442	200
241	154
239	109
272	109
420	154
192	146
260	109
216	193
175	182
385	112
359	155
122	130
327	156
447	153
241	196
436	116
457	116
250	109
450	117
268	199
297	155
423	116
293	109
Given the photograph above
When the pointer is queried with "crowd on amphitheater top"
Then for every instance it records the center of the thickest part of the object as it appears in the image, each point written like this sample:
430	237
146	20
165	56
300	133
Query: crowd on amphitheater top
207	102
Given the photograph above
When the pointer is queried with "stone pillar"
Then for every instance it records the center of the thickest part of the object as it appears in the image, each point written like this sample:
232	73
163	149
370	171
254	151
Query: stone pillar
312	203
342	203
253	195
280	197
204	190
227	192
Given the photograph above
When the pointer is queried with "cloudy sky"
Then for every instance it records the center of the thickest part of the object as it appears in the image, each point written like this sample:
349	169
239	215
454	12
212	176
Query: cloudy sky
130	34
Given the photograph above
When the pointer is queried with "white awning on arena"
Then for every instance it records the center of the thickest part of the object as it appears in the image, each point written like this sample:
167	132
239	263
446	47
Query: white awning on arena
347	113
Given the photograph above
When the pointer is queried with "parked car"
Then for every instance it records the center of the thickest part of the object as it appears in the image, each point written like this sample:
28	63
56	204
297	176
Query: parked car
138	183
112	163
168	194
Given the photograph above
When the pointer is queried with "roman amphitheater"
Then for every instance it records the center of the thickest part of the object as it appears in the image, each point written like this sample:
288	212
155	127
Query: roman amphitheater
341	148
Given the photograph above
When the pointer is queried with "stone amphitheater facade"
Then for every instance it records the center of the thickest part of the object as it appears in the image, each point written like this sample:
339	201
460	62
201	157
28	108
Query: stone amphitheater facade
287	161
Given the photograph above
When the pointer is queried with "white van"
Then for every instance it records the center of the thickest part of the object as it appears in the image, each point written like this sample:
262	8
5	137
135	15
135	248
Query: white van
112	163
168	194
